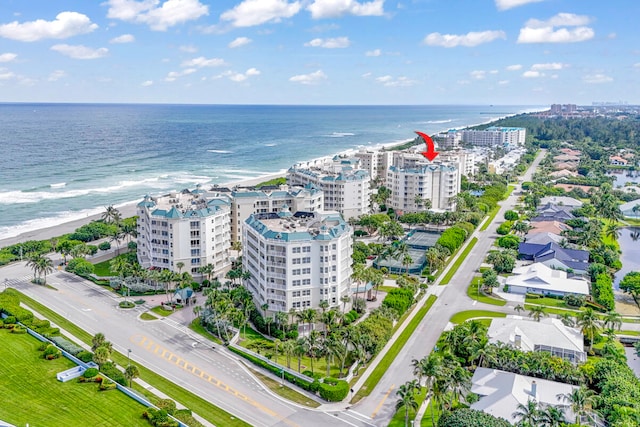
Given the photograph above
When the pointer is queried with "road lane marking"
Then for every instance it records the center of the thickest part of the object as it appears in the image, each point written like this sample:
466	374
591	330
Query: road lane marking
386	395
167	355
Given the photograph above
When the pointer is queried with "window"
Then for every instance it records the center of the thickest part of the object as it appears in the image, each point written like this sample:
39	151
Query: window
295	294
306	260
306	282
195	260
306	271
306	293
296	272
306	249
296	261
296	250
295	282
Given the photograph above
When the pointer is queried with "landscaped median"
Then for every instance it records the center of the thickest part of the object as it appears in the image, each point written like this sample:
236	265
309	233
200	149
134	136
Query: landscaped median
377	373
472	292
463	316
454	268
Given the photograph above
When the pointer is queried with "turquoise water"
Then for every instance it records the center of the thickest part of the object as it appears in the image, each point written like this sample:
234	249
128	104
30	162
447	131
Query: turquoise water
64	161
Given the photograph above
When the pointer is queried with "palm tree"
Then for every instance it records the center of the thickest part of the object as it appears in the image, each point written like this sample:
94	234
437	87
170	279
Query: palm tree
580	400
528	414
518	308
406	262
430	368
589	324
131	372
312	345
180	266
407	399
116	235
537	312
344	299
612	231
33	261
552	416
567	319
45	266
308	316
97	341
111	214
613	320
299	351
288	350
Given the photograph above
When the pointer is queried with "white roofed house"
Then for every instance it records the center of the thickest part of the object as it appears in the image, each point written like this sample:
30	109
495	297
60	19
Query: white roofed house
538	278
501	392
549	335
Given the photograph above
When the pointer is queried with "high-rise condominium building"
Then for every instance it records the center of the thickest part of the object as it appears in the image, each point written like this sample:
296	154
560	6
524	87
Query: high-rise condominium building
412	179
186	228
297	260
502	137
346	187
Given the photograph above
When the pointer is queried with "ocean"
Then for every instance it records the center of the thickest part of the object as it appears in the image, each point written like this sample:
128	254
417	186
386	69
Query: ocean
62	162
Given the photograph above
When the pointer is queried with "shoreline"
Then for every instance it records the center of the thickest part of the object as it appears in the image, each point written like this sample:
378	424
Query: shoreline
128	209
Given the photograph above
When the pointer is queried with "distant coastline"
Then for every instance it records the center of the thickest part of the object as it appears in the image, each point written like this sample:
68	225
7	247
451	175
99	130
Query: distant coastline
31	228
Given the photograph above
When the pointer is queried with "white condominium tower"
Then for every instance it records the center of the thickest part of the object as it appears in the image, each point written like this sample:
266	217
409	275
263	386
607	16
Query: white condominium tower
345	186
413	179
502	137
185	228
247	201
297	260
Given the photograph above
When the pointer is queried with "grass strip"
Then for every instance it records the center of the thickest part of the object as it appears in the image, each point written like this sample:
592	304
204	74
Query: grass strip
463	316
472	292
373	379
454	268
490	218
284	391
200	406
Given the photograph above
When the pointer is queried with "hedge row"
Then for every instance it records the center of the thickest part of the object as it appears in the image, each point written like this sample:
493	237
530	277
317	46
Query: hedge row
399	300
602	290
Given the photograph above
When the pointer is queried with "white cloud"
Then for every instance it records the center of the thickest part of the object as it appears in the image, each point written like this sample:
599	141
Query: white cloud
493	72
125	38
80	51
66	24
390	81
536	31
158	17
532	74
309	79
478	74
636	65
508	4
548	66
469	40
173	75
597	78
6	74
375	52
188	49
250	13
514	67
8	57
240	41
147	83
240	77
503	82
56	75
336	8
201	61
333	43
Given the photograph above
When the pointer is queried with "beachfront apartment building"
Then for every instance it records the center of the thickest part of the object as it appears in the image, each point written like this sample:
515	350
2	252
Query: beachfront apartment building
449	140
376	162
297	260
184	227
249	200
346	187
495	137
412	179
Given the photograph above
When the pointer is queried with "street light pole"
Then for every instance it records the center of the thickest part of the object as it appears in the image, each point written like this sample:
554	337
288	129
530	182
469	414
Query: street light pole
129	364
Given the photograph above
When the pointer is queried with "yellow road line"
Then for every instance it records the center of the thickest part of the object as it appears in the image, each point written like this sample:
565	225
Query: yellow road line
167	355
382	401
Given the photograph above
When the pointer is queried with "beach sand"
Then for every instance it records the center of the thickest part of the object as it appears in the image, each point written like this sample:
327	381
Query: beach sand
127	211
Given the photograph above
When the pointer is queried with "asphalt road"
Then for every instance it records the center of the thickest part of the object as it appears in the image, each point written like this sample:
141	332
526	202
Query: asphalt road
171	350
380	405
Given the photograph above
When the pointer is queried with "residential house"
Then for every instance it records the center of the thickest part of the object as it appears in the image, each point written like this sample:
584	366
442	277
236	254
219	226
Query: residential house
551	212
550	335
554	256
543	237
631	209
563	173
549	226
541	279
561	201
565	165
571	151
501	392
566	158
618	161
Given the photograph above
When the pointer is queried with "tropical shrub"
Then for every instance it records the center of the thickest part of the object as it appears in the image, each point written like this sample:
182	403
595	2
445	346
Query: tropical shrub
90	373
574	300
510	241
110	370
399	300
80	266
452	238
104	246
19	330
51	352
602	290
511	215
504	228
333	390
466	417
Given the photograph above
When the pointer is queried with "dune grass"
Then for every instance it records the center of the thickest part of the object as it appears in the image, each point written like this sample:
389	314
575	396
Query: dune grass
32	394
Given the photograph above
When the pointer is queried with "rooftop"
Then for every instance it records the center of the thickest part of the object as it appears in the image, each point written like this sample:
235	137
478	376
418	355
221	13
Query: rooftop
299	226
548	332
539	276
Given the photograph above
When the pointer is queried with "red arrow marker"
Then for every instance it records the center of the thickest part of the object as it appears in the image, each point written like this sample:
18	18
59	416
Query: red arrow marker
431	152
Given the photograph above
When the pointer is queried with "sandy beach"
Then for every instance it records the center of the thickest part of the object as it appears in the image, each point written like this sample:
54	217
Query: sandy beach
127	210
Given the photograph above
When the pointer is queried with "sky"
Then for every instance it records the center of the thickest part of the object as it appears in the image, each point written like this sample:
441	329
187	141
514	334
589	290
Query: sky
320	52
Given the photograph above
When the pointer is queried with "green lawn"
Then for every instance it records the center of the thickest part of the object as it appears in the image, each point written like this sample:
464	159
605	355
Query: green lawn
373	379
103	269
284	391
494	211
447	277
161	311
194	402
32	394
472	292
463	316
549	302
